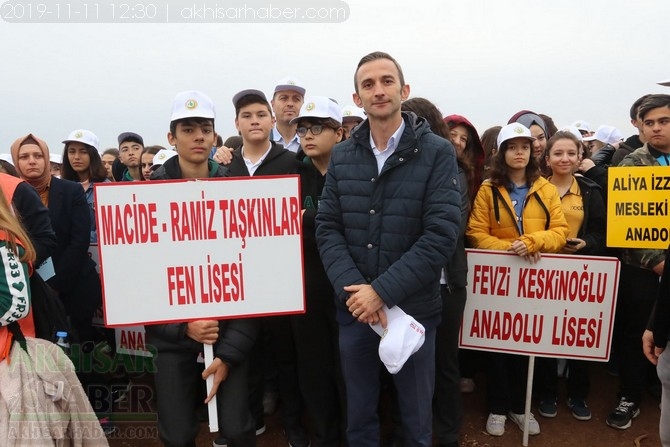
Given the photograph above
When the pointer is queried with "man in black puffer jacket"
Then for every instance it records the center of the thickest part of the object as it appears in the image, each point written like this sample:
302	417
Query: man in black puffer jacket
388	220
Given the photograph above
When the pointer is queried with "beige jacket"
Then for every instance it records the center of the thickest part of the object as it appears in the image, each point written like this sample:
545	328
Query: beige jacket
42	402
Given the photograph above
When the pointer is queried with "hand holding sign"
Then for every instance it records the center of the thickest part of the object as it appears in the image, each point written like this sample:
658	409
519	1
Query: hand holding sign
203	331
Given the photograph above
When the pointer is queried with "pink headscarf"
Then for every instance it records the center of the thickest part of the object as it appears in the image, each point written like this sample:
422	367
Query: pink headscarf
41	183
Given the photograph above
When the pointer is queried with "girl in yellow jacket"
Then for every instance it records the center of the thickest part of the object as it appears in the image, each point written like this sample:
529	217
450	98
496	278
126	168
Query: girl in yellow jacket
515	210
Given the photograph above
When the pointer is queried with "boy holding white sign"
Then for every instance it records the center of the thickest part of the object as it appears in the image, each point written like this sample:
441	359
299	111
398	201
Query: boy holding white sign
178	374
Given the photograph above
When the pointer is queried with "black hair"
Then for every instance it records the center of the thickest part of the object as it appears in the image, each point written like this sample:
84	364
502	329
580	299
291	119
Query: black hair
96	171
653	102
197	121
376	55
636	105
251	99
499	174
328	122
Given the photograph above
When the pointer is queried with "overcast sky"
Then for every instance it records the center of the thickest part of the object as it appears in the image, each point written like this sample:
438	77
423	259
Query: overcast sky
570	59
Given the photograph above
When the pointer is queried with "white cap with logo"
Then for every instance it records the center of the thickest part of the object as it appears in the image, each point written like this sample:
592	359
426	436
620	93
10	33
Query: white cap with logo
353	112
514	130
83	136
192	104
162	156
319	107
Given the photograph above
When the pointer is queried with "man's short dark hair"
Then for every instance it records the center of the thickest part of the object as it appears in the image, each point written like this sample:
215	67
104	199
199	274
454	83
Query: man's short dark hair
636	106
191	121
375	56
653	102
251	99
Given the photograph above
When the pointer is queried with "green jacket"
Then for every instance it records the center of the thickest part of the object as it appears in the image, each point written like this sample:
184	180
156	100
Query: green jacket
645	258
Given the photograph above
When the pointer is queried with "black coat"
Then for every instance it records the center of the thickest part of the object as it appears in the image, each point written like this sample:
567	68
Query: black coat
71	221
393	230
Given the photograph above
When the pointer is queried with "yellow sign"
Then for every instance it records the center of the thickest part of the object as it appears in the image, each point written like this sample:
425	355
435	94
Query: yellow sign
638	211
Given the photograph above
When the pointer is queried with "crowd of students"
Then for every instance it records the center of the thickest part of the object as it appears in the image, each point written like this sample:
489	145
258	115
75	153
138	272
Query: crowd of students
392	195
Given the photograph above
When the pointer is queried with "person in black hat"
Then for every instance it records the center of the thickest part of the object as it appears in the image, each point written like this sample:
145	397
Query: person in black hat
131	146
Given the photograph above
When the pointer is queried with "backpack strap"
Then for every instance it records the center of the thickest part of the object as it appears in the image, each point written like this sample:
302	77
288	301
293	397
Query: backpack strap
17	334
546	211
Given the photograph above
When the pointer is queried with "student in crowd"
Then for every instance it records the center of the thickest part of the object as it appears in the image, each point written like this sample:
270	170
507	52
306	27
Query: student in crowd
178	376
131	146
584	210
490	145
388	220
640	271
518	211
82	164
108	157
7	166
257	156
55	164
352	116
604	136
469	150
538	130
447	405
315	332
15	303
147	160
288	97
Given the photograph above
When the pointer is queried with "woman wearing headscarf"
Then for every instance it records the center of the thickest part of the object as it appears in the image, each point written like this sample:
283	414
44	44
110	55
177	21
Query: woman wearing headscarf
76	280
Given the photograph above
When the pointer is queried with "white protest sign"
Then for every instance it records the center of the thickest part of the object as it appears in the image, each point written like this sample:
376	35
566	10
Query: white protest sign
196	249
562	306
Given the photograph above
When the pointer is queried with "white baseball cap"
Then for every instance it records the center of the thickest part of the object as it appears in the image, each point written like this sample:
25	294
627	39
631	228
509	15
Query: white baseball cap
514	130
290	83
162	156
319	107
192	104
606	134
573	130
349	112
402	337
55	158
83	136
582	125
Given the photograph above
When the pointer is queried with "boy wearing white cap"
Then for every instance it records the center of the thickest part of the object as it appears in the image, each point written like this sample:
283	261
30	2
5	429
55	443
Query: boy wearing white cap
315	332
352	116
288	96
388	220
178	377
604	136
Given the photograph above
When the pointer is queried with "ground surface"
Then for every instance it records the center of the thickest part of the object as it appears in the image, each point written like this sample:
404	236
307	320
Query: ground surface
558	432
